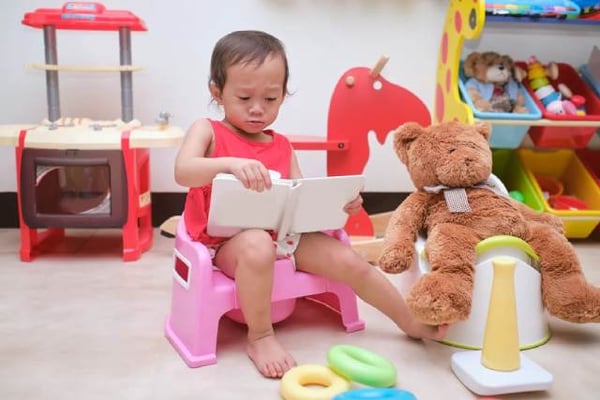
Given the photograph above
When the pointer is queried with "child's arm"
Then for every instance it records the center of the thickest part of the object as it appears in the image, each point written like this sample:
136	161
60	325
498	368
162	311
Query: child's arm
295	172
194	168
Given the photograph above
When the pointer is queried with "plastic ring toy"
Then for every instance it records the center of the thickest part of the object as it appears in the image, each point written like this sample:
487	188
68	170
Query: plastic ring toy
375	394
294	381
360	365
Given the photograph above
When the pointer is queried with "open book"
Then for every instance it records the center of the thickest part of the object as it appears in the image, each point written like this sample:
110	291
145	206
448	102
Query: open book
290	206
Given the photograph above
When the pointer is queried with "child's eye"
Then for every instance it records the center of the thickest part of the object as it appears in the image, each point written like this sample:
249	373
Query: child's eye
244	98
271	98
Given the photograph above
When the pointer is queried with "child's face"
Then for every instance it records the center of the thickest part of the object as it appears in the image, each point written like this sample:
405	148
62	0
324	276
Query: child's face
252	94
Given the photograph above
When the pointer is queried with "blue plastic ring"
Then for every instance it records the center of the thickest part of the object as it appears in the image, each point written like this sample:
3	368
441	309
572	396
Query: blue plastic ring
376	394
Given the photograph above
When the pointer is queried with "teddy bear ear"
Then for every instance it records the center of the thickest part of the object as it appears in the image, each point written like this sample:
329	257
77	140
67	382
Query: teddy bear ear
507	61
469	64
404	135
484	129
519	73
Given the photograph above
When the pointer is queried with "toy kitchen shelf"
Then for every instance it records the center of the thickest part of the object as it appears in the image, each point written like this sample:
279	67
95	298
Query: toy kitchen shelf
77	172
86	137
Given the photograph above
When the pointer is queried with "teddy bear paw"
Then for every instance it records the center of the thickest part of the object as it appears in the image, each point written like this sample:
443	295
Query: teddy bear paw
440	299
483	105
396	260
520	110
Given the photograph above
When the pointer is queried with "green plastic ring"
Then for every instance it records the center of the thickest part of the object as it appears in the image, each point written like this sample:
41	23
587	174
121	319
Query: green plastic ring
363	366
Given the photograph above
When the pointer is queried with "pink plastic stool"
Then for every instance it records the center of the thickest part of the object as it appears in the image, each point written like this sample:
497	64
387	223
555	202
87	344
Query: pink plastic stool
201	295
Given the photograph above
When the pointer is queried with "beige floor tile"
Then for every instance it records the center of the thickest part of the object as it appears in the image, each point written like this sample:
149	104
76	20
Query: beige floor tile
79	323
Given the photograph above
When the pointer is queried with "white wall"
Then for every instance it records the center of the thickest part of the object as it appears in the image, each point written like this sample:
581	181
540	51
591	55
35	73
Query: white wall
324	38
549	42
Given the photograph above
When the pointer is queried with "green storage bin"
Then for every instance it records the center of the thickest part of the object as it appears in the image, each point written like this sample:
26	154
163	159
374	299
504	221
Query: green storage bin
508	168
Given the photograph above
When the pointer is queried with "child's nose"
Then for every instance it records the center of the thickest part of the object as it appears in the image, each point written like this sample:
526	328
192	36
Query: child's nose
256	108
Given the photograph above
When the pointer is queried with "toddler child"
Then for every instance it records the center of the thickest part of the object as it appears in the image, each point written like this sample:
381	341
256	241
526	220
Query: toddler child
248	79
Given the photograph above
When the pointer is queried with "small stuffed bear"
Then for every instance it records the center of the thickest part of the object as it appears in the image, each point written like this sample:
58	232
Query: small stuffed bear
455	206
491	83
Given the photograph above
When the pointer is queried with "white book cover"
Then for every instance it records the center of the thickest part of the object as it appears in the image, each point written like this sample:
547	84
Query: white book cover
290	206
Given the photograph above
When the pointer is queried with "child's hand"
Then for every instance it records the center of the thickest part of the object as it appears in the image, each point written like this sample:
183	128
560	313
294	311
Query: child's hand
252	173
354	206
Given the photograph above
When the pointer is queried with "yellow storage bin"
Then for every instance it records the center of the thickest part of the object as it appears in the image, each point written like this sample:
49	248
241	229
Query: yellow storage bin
577	183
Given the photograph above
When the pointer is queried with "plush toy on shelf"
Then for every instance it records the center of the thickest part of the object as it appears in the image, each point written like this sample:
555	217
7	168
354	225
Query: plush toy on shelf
559	100
456	204
491	83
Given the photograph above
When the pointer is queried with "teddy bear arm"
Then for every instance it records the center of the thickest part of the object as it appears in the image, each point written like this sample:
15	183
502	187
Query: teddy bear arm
478	101
408	219
520	106
398	252
541	217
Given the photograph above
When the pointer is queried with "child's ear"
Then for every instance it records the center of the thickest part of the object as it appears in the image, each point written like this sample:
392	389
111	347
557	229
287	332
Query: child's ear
215	92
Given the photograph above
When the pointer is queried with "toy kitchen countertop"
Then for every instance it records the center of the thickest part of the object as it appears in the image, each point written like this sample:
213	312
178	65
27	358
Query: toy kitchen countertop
81	133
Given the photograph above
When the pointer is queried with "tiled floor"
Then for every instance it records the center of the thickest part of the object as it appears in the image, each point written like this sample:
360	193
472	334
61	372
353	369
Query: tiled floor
80	324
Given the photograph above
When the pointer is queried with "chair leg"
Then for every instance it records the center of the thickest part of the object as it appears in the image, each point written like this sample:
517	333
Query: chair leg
342	299
197	344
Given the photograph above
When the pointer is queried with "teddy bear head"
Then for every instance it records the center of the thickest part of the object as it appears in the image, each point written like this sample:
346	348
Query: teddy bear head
490	67
449	154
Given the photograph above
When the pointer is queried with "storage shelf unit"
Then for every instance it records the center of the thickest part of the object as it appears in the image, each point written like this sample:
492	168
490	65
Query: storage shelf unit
465	21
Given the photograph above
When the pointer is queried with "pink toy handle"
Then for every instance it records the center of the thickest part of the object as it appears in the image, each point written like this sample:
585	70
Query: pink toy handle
569	107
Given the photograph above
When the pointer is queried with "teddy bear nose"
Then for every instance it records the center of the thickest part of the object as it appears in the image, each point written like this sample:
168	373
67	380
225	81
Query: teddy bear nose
501	67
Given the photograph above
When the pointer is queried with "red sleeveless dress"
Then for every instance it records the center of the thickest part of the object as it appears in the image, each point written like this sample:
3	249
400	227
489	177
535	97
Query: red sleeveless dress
275	155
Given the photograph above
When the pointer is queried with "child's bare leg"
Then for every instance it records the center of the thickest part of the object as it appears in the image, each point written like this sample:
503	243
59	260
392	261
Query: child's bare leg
249	257
322	255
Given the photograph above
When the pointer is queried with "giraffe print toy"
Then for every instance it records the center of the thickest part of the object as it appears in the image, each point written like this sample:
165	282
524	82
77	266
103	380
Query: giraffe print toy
464	20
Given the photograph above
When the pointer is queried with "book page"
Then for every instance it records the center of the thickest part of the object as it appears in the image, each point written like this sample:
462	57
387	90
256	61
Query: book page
320	202
233	207
302	205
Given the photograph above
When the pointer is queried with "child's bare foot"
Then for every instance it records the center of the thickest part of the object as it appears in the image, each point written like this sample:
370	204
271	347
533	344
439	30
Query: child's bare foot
418	330
269	357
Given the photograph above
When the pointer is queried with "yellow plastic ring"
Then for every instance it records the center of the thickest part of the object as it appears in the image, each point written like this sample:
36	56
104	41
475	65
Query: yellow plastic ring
327	384
360	365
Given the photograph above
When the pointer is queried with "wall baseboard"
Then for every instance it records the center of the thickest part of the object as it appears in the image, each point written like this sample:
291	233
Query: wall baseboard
168	204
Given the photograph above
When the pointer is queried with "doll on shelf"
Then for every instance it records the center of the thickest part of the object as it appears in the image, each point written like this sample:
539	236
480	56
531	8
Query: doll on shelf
561	101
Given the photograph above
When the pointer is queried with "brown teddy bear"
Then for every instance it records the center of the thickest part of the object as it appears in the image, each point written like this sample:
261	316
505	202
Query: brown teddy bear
492	84
455	206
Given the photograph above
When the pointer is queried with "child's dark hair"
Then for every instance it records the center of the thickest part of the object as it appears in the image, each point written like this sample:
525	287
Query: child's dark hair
244	47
